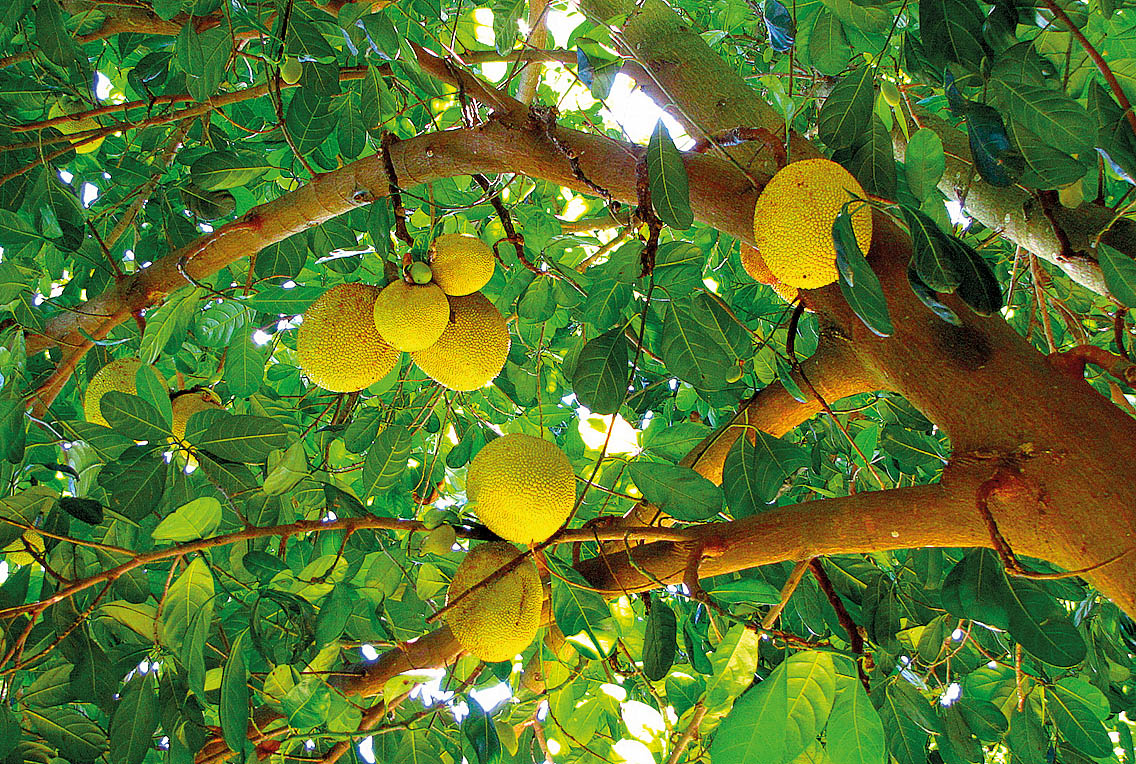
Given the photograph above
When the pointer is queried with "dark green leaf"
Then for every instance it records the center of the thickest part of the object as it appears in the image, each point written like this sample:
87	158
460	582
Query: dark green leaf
678	491
666	173
600	376
233	710
134	722
659	641
479	730
241	437
847	111
386	461
1119	274
133	417
858	282
779	26
755	472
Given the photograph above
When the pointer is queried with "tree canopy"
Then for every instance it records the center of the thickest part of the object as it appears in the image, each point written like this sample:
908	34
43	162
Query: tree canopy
887	519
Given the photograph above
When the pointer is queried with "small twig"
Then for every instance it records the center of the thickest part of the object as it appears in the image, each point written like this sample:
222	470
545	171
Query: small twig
388	140
646	213
1073	361
546	118
786	592
855	639
740	135
688	734
511	234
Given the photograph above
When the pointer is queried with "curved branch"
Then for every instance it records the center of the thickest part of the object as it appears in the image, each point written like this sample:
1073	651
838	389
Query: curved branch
835	372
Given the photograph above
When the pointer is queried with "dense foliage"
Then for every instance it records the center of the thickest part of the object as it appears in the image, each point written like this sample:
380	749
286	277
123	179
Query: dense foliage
161	595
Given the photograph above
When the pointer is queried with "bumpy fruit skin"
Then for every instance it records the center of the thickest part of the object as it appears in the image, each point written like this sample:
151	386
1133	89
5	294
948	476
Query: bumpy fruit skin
785	292
291	71
521	487
411	317
755	266
67	127
792	221
117	375
462	264
473	348
338	346
187	405
501	618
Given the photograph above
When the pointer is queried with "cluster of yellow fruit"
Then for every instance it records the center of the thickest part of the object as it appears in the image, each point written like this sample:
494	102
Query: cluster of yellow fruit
121	375
792	225
352	335
523	489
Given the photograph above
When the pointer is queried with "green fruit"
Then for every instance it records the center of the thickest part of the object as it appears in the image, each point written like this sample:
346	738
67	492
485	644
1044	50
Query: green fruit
291	71
420	273
890	93
1071	196
440	540
734	375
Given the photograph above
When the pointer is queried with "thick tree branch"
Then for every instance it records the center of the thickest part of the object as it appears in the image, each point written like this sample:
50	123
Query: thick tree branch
835	372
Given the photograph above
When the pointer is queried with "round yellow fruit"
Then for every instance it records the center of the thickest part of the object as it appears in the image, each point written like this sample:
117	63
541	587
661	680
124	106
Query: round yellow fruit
338	346
61	108
411	317
792	222
501	618
755	266
117	375
188	404
18	552
473	348
784	291
522	488
462	264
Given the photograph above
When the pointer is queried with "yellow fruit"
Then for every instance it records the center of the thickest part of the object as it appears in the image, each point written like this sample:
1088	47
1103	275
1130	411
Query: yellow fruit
18	553
411	317
521	487
473	348
462	264
291	71
755	266
784	291
338	346
792	222
60	108
188	404
117	375
501	618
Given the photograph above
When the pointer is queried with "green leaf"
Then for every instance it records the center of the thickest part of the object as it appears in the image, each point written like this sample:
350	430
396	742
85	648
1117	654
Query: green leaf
732	665
678	491
152	388
1073	705
506	14
233	710
931	256
196	520
690	351
952	31
600	376
133	417
979	287
828	48
373	98
659	641
754	472
810	692
50	688
1119	274
479	730
241	437
386	461
847	111
579	611
873	162
855	733
1046	167
244	366
169	320
858	282
77	737
284	259
754	732
666	174
54	39
1052	116
221	170
134	722
924	162
278	301
189	595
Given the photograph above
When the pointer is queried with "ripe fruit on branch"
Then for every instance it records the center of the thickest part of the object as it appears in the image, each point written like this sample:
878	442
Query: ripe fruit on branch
410	316
792	221
473	348
338	346
117	375
500	618
462	264
522	488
